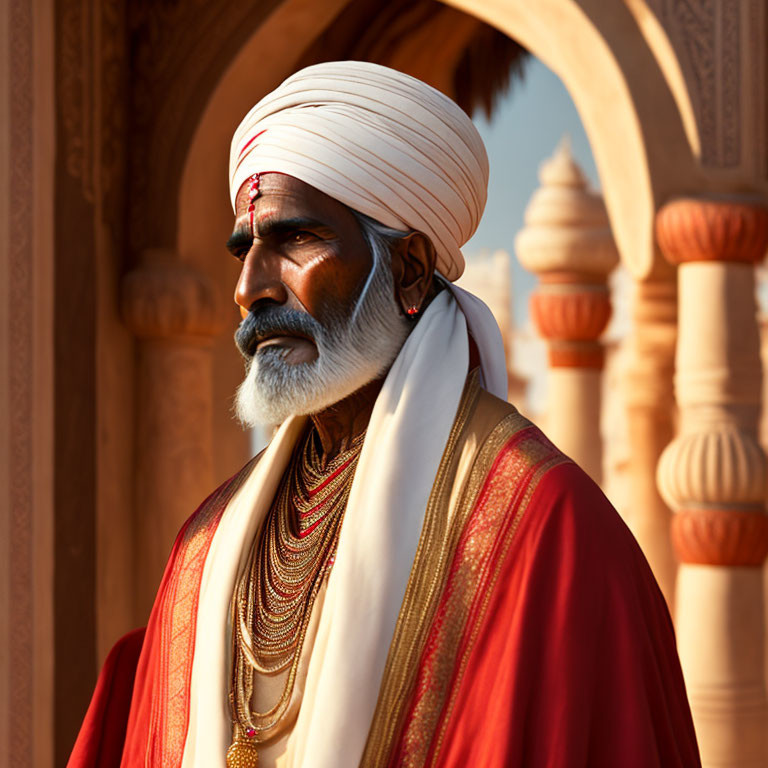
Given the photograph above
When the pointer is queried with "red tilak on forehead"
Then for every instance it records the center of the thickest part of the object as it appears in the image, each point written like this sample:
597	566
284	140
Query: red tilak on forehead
253	190
253	193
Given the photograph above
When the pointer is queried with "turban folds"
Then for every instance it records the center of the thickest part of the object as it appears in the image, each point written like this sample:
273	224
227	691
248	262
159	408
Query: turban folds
379	141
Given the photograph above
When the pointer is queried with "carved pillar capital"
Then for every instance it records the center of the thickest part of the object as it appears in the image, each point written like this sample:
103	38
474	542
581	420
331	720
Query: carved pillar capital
715	481
166	298
571	316
717	467
721	537
567	241
692	229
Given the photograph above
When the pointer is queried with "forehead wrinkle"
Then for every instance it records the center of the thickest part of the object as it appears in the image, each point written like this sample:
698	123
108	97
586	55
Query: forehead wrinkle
275	205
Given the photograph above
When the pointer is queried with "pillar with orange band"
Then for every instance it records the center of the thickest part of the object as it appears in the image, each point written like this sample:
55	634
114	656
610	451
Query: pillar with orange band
713	474
567	241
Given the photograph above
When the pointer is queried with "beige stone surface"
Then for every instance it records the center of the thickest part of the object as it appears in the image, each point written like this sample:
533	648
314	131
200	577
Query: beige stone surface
721	635
651	418
26	415
574	416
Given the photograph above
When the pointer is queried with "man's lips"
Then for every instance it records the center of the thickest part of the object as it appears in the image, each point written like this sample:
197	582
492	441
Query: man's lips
282	339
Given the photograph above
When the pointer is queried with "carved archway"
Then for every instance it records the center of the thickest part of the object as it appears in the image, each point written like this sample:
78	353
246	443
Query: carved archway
638	158
134	86
198	70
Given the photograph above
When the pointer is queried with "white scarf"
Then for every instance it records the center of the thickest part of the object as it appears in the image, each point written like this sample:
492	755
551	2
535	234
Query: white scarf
406	437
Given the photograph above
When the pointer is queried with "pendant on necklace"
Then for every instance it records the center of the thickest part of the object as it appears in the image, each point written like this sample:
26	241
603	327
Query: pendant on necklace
242	754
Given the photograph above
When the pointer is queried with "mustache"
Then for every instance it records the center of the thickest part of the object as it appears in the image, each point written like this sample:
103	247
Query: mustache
263	322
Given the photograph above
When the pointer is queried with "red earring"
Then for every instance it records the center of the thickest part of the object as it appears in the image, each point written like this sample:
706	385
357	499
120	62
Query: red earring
412	310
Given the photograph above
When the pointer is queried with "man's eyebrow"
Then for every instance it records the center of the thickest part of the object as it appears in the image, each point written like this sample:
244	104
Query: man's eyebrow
271	224
240	238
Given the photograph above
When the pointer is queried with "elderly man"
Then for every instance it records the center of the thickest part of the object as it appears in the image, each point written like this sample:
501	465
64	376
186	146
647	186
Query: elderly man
410	574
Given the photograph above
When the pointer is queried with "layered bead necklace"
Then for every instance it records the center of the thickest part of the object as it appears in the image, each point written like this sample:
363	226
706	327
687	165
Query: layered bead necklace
273	599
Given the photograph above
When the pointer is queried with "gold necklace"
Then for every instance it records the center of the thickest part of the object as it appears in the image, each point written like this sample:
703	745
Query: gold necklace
273	599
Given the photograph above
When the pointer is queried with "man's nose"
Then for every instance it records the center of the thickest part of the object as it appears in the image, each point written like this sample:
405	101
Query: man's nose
259	280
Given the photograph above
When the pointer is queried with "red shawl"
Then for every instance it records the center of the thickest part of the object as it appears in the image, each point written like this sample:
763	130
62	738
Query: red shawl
549	644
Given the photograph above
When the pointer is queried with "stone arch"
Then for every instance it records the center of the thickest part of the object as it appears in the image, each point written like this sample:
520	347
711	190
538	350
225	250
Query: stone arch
634	124
642	140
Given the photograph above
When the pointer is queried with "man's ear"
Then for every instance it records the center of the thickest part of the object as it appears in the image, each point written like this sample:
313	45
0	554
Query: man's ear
413	267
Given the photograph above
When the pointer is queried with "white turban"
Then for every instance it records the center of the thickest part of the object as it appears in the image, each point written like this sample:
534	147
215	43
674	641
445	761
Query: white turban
377	140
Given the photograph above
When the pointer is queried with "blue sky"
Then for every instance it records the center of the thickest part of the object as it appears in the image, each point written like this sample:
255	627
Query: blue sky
525	131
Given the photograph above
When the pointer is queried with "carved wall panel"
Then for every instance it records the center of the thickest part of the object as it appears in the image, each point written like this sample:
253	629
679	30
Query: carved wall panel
720	45
18	623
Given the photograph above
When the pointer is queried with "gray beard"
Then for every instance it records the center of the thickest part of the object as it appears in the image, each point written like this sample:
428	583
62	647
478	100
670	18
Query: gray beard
352	351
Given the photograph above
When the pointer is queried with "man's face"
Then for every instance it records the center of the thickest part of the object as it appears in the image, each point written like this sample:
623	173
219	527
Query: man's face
320	315
305	253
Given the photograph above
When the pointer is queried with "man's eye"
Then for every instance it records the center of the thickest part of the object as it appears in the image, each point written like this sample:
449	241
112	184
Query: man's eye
301	237
240	253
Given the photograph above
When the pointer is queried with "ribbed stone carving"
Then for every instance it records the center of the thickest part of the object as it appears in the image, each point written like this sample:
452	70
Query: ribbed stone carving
571	315
689	229
566	224
720	537
722	466
167	298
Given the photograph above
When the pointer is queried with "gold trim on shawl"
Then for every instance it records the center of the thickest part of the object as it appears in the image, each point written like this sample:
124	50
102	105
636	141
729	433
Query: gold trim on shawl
433	564
178	617
433	557
535	455
421	594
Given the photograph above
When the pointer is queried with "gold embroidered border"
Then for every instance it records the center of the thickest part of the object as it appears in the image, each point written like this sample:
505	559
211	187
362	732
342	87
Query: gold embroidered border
436	667
433	559
468	574
178	618
543	456
422	592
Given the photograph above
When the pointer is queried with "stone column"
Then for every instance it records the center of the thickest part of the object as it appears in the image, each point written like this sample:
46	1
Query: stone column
172	309
567	241
713	474
651	418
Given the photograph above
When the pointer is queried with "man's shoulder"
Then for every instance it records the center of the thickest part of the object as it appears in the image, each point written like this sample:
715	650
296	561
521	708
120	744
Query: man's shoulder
515	455
499	429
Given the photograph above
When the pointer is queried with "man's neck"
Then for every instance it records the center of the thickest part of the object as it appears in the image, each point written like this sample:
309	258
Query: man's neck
338	425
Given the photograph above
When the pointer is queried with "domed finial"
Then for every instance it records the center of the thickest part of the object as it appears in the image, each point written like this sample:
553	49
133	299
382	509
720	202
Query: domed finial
561	170
566	224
